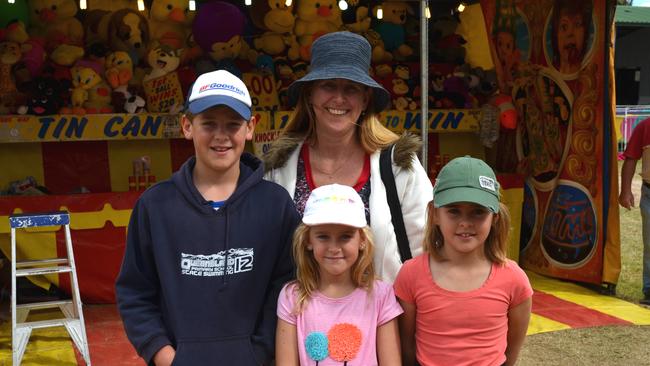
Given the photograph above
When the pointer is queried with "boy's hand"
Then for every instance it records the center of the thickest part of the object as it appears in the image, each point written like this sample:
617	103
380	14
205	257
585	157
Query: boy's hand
164	356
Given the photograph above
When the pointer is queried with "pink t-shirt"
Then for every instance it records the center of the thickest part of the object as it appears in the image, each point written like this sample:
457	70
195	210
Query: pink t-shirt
461	328
343	329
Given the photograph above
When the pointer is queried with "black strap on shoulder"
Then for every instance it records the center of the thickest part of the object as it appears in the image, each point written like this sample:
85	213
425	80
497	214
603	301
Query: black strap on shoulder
386	172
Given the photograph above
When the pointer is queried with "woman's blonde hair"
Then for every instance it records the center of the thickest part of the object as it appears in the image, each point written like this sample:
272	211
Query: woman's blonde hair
308	275
372	134
495	244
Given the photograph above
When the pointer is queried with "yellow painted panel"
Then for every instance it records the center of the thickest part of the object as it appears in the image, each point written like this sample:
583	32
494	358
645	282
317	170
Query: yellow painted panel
33	246
461	144
590	299
540	324
47	346
30	164
122	153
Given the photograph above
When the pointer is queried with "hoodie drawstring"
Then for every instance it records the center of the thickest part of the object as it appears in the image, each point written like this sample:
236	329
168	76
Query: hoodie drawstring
227	248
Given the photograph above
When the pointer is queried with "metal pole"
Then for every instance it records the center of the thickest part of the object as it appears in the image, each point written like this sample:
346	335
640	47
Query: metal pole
424	81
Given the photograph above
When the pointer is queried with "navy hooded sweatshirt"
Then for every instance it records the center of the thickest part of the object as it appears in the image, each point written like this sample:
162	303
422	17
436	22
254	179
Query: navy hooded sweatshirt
205	281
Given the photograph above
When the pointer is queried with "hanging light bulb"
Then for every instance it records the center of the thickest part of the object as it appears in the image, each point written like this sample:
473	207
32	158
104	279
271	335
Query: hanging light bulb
248	2
343	5
83	4
191	5
380	13
288	3
141	5
427	12
461	7
11	1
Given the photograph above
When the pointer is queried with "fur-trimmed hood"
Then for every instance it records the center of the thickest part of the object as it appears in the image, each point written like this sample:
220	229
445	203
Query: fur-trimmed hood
282	148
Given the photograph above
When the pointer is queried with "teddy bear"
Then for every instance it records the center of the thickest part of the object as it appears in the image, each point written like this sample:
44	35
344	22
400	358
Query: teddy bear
391	28
314	19
278	21
55	21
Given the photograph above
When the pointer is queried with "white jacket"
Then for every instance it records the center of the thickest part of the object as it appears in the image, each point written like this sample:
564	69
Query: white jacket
414	190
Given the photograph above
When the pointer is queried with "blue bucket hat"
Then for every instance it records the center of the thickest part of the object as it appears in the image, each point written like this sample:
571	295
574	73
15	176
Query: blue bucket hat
341	55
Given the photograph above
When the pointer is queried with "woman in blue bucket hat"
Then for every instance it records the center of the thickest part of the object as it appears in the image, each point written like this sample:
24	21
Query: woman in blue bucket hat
335	136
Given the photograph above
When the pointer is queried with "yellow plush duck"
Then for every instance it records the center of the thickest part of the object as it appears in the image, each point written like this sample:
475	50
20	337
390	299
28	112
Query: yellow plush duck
279	21
119	70
315	18
54	20
170	22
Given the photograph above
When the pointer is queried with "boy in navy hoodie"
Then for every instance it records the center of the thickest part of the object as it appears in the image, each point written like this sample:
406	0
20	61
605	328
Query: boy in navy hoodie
208	250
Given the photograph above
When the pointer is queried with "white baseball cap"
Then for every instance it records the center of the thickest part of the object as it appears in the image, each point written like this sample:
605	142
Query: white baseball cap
335	204
220	88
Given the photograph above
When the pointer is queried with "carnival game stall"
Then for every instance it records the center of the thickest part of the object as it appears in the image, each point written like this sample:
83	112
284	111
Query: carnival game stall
92	90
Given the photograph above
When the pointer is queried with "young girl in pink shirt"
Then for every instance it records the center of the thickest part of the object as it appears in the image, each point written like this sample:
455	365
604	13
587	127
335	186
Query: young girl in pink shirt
464	302
336	312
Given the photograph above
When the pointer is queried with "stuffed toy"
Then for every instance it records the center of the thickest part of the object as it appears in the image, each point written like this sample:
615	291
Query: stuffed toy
122	30
169	22
10	54
61	60
448	46
162	86
218	29
13	43
119	70
279	22
127	101
284	76
391	28
315	18
112	5
507	111
90	94
356	18
55	21
45	96
405	103
163	60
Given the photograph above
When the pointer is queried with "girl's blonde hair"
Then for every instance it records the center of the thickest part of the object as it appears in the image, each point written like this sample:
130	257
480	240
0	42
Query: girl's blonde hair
308	275
372	134
494	246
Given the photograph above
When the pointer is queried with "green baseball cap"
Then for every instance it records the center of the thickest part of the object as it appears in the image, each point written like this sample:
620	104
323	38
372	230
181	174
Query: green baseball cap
467	179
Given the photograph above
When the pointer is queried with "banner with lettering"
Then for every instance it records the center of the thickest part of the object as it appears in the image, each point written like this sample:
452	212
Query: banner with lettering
439	121
88	127
550	57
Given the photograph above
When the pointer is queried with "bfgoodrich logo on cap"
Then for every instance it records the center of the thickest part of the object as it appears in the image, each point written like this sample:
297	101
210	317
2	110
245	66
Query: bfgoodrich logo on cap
220	88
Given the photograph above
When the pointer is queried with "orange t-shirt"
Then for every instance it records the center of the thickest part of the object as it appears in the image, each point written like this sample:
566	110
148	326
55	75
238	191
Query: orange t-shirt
461	328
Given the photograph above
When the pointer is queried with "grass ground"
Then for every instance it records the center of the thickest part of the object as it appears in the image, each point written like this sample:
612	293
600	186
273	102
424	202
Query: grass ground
615	345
